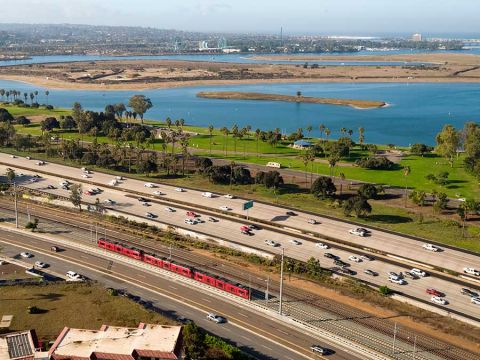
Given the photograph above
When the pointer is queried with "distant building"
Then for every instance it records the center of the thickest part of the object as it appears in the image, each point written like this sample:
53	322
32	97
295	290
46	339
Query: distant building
417	37
152	342
19	345
302	144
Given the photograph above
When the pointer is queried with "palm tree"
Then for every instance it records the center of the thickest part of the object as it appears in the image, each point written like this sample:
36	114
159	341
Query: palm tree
305	157
210	132
343	131
32	96
309	129
342	179
232	166
25	96
327	133
168	121
258	132
350	133
235	135
36	96
46	94
177	123
182	123
2	93
185	154
361	136
225	133
322	128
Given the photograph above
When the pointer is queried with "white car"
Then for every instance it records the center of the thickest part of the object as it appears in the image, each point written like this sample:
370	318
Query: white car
322	245
26	255
28	158
295	242
40	163
86	176
431	247
225	208
418	272
216	318
64	183
358	232
397	281
354	258
109	202
150	215
149	185
271	243
207	194
191	221
33	180
169	209
471	271
40	264
312	221
72	275
229	196
179	189
113	182
438	300
318	349
475	300
119	178
158	193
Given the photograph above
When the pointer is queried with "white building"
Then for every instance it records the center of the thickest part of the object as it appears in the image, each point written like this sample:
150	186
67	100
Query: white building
417	37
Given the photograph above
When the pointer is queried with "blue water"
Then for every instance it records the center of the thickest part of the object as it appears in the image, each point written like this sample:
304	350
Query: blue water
416	112
231	58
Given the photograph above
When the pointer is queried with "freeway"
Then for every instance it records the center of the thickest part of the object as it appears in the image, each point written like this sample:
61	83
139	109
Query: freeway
253	332
229	228
452	259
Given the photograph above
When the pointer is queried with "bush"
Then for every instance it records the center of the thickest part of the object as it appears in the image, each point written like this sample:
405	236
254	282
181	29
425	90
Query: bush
376	163
385	290
323	187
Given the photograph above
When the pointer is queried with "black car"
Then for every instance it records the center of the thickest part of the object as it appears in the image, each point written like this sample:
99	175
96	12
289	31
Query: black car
347	271
254	227
330	256
212	219
246	232
142	199
291	213
370	272
340	263
468	292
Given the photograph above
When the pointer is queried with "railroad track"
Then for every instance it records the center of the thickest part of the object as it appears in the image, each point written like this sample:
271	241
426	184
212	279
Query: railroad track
334	323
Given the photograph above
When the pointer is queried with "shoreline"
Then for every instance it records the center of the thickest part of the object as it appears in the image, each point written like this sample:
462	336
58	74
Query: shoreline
238	95
54	84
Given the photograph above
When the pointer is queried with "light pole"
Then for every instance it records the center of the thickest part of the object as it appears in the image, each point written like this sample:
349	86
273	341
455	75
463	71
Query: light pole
281	283
266	292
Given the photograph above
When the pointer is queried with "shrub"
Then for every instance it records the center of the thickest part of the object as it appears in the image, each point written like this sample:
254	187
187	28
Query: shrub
376	163
385	290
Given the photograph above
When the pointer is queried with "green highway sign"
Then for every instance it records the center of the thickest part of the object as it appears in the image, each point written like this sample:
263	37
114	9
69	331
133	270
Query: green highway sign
248	205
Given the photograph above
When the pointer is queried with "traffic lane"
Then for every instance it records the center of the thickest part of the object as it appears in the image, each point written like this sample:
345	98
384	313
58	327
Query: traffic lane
221	306
229	228
385	242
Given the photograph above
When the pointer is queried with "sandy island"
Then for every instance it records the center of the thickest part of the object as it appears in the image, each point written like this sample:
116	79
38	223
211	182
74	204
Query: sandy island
238	95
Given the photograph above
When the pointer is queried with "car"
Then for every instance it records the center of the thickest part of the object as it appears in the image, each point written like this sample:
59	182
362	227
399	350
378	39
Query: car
169	209
184	320
254	227
119	178
366	257
438	300
149	185
26	255
72	275
340	263
291	213
28	158
434	292
88	193
54	249
13	156
318	349
358	232
330	256
142	199
322	245
150	215
109	202
212	219
158	193
370	272
33	180
216	318
431	247
225	208
178	189
192	214
229	196
190	221
64	183
86	171
354	258
40	264
146	204
475	300
469	292
397	281
410	275
246	232
113	182
207	194
272	243
51	187
40	163
312	221
418	272
347	271
86	176
471	271
295	242
36	176
394	275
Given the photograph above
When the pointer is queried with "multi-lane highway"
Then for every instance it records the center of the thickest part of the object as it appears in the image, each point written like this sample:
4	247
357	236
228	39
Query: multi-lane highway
229	228
252	331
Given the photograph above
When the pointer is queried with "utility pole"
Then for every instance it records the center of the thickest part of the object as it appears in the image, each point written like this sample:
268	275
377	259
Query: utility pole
96	231
16	205
394	338
281	283
28	214
170	252
266	293
249	287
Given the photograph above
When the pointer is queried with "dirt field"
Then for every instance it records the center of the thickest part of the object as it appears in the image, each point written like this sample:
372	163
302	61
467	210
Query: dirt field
146	74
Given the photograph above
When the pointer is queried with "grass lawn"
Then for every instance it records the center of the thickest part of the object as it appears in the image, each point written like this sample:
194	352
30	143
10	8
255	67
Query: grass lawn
21	111
74	305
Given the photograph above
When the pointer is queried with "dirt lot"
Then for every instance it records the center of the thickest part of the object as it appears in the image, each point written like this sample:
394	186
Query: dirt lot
144	74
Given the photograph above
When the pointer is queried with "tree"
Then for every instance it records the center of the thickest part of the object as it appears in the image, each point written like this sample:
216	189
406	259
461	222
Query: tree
448	141
361	135
357	204
368	191
272	179
76	196
441	201
420	149
119	109
314	269
332	162
210	133
193	341
5	116
235	136
46	94
406	172
258	134
418	197
22	120
462	213
10	175
140	105
32	225
323	187
225	133
385	290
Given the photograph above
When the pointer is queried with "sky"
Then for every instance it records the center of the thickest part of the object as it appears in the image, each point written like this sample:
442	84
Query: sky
352	17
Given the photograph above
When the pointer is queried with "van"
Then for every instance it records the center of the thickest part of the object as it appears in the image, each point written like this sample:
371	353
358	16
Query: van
274	164
72	275
207	194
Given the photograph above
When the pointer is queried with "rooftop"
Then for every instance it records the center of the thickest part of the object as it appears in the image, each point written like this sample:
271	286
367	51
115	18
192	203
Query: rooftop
18	345
114	342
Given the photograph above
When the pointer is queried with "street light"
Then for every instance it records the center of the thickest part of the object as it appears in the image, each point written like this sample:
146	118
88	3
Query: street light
281	283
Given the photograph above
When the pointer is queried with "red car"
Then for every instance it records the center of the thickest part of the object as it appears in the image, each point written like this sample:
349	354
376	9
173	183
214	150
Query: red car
87	193
434	292
191	214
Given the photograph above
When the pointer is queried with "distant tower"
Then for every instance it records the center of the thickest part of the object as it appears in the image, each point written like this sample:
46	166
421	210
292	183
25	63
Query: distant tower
222	43
417	37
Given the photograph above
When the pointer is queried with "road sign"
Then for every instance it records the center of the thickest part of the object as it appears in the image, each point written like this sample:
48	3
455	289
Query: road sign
248	205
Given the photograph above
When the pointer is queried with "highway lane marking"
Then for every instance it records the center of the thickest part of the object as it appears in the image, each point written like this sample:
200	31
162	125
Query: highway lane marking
243	315
162	292
172	287
209	301
246	338
267	347
283	332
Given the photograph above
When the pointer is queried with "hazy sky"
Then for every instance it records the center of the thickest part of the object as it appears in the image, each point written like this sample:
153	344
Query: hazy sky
296	16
